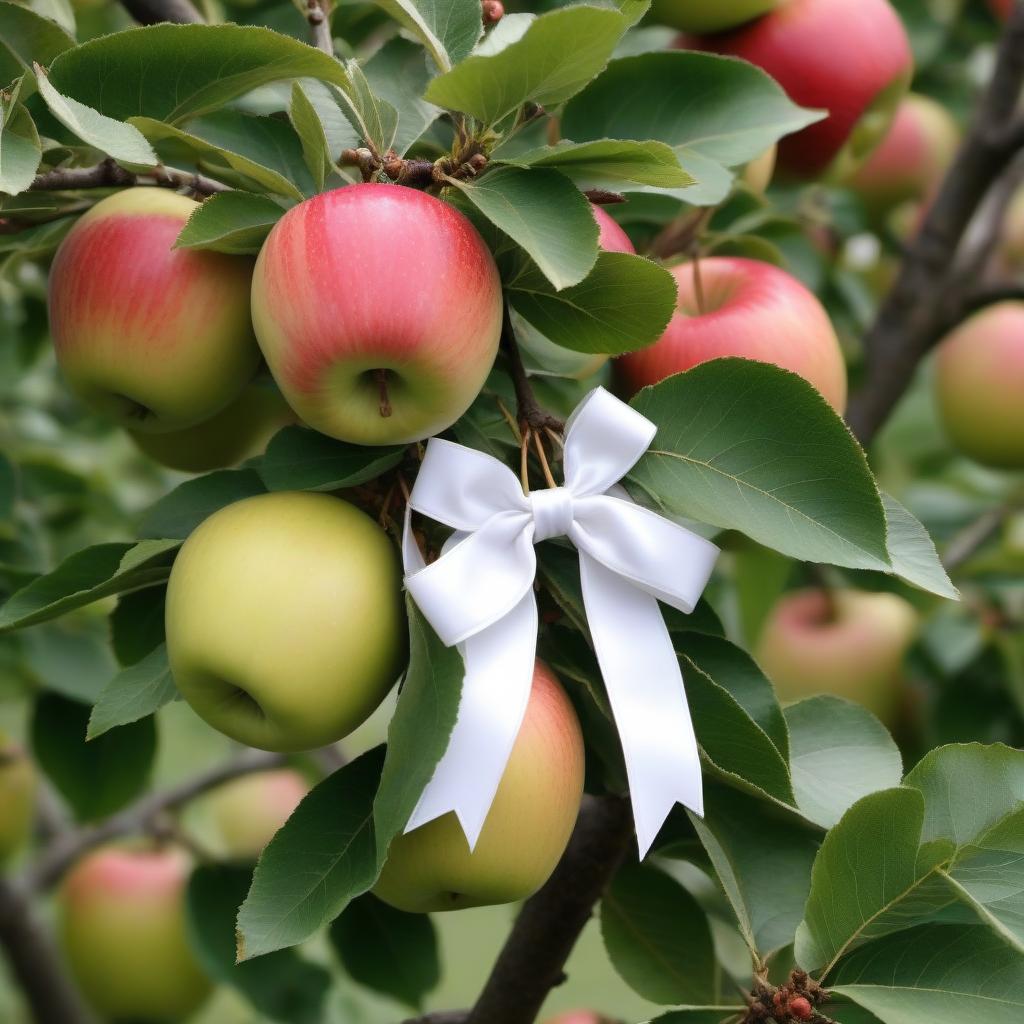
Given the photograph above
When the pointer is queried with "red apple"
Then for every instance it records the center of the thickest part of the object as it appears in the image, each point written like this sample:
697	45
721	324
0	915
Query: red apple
979	380
154	337
249	810
849	57
378	309
912	158
123	929
751	309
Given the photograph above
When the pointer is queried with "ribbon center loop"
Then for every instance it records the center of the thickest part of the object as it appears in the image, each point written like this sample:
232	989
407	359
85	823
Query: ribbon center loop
552	512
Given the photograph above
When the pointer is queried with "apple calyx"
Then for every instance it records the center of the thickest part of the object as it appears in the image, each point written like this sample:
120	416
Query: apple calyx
794	1002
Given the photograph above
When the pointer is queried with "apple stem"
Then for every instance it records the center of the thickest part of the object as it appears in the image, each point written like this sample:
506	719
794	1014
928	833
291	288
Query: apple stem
384	399
524	463
548	475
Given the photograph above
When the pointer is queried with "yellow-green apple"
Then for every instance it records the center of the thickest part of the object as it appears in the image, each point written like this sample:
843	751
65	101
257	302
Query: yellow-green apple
17	798
979	381
742	308
543	355
123	930
527	827
849	57
239	431
284	621
709	15
154	337
757	174
378	309
248	811
910	161
849	643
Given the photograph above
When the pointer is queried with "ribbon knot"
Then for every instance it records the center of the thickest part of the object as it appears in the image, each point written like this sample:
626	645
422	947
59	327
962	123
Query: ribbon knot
552	512
479	595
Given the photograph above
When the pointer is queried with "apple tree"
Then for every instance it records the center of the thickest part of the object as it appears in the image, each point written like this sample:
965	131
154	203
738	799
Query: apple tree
255	255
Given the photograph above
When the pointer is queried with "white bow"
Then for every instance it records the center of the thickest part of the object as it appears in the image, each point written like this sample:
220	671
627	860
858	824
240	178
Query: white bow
479	595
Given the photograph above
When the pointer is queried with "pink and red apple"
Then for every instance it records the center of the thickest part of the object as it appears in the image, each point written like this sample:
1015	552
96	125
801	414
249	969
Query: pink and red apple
124	933
378	309
248	811
979	381
750	309
851	58
154	337
709	15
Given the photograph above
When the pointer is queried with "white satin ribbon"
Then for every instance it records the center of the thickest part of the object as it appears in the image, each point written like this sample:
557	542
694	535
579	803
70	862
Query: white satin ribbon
479	595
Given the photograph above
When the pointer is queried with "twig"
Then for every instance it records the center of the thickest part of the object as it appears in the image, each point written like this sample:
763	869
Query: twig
966	543
152	12
680	234
538	443
529	411
442	1017
318	14
109	174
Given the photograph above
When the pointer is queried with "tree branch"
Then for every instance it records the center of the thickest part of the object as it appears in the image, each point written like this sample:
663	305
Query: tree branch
151	12
530	413
906	326
109	174
35	962
318	14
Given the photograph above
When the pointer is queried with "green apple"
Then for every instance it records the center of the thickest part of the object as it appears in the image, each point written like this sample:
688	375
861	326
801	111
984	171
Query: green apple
850	643
285	625
248	811
527	828
709	15
17	798
236	433
123	930
757	174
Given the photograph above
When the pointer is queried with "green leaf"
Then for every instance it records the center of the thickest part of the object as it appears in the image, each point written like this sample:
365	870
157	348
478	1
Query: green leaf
840	753
124	142
26	36
544	213
715	112
95	778
232	222
607	161
299	459
69	658
387	950
658	937
310	129
868	863
20	149
623	304
177	514
8	487
176	72
448	29
137	624
748	446
700	1015
86	576
936	974
555	57
374	119
912	552
135	692
283	986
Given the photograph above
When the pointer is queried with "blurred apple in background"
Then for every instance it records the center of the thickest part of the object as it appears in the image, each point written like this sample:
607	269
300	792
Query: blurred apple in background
750	309
578	1017
1011	236
757	175
123	930
248	811
527	828
17	797
1001	8
979	382
850	643
848	57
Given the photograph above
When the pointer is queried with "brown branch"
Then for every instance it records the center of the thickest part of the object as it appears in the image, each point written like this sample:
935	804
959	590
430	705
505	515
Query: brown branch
318	14
109	174
152	12
35	962
911	319
530	413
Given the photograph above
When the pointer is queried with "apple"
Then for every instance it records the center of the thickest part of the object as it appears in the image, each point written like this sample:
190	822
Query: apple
912	158
979	383
237	432
709	15
527	828
284	621
17	798
153	337
542	355
1001	8
849	57
1011	242
849	643
378	309
751	309
757	174
578	1017
248	811
123	930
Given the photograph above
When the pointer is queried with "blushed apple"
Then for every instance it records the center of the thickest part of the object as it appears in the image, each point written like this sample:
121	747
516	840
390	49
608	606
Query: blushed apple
849	57
750	309
17	798
153	337
378	309
578	1017
248	811
849	643
979	382
238	432
709	15
123	931
527	828
285	625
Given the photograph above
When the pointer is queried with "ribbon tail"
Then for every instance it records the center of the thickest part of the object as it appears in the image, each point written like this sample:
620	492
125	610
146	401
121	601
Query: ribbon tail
645	687
495	692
